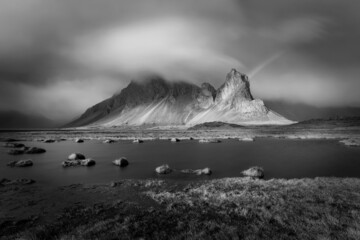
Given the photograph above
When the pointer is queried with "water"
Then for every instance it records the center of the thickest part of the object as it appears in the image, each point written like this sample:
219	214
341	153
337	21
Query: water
281	158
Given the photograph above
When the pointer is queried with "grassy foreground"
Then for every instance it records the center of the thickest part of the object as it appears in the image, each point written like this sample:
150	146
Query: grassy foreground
230	208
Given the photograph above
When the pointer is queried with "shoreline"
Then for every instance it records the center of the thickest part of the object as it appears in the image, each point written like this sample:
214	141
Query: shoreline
226	208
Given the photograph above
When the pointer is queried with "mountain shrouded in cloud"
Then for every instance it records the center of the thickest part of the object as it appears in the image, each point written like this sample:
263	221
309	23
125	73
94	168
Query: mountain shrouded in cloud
156	102
57	58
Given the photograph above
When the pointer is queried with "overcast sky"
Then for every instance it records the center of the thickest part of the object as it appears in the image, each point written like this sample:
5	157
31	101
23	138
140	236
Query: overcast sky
58	57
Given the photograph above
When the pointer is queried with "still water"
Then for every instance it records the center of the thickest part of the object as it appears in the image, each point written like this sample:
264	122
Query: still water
280	158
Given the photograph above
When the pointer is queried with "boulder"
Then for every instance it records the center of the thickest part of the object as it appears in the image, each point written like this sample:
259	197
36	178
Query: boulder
205	171
19	181
108	141
163	169
87	162
13	145
175	140
209	141
352	142
254	172
246	139
138	141
49	141
76	156
70	163
35	150
16	151
20	163
79	140
11	140
122	162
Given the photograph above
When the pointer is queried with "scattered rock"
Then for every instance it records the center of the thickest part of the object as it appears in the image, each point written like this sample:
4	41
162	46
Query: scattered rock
35	150
209	141
254	172
76	156
138	141
87	162
175	140
79	140
84	162
246	139
13	145
108	141
352	142
49	141
20	163
122	162
163	169
205	171
19	181
113	184
11	140
16	151
70	163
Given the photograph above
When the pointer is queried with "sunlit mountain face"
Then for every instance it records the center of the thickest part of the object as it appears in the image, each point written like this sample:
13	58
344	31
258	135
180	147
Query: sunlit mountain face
155	101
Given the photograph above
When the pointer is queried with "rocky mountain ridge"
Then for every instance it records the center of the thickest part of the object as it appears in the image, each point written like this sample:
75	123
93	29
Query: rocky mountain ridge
155	101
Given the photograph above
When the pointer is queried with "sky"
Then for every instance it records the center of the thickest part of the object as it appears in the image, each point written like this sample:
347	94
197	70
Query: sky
58	58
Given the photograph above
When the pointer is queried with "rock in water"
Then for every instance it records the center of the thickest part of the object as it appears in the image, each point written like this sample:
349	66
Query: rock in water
35	150
87	162
246	139
76	156
70	163
84	162
209	141
16	151
353	142
20	163
13	145
138	141
163	169
205	171
109	141
175	140
254	172
19	181
49	141
122	162
79	140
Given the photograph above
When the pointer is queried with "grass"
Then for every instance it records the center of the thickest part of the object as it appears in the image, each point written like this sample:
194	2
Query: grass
231	208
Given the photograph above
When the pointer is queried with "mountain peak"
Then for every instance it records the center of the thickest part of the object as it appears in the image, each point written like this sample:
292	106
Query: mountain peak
235	89
234	74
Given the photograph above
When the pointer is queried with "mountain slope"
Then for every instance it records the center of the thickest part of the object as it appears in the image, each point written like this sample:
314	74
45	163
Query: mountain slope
155	101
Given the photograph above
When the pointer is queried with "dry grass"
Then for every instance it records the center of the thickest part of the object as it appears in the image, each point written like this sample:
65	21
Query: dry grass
232	208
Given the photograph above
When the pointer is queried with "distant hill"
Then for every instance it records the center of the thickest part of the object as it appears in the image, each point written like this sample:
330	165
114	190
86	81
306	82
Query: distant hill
14	119
302	112
214	125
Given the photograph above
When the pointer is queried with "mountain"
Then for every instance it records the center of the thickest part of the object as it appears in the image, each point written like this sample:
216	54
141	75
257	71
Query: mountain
17	120
155	101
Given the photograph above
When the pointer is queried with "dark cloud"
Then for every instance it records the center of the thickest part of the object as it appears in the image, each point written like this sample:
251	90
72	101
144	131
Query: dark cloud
294	50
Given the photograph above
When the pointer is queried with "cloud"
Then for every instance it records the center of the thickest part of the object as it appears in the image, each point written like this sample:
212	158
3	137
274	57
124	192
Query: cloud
166	46
291	48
